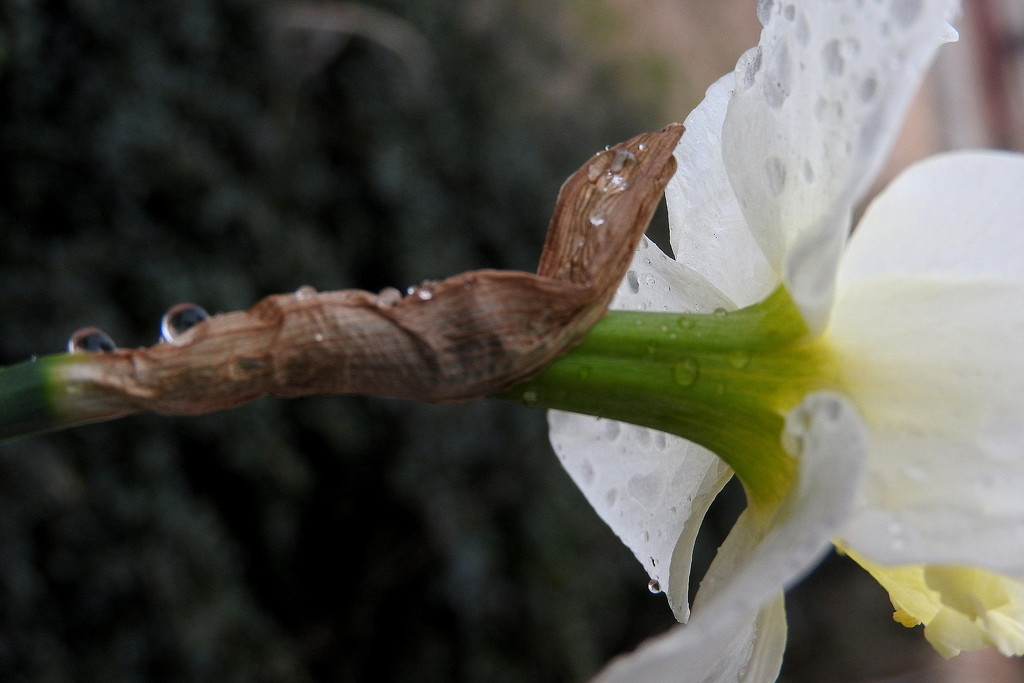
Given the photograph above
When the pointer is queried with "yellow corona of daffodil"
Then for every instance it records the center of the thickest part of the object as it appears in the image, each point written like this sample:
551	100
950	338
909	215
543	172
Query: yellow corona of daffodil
868	390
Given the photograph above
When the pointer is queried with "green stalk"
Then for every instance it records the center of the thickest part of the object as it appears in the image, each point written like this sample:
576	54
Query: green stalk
35	397
722	380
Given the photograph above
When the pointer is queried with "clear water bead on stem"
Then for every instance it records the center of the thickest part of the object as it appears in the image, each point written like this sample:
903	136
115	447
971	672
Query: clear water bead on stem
90	340
179	319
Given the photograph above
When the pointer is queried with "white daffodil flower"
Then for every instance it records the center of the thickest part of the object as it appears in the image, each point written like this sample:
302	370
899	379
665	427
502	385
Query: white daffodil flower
910	450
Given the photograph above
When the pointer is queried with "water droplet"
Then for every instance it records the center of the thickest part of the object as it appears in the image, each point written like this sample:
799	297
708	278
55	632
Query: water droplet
612	183
905	12
897	535
747	67
654	586
720	313
388	297
775	175
808	171
633	281
739	359
424	291
685	373
587	472
179	319
867	89
649	279
530	397
318	337
776	84
641	147
597	218
305	292
829	112
622	159
686	323
831	55
91	340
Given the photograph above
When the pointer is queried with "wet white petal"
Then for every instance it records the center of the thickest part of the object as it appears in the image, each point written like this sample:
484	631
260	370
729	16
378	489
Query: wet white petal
737	632
654	282
652	489
708	231
816	108
929	310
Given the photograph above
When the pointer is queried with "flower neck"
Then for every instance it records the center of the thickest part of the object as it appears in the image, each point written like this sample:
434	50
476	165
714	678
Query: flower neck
724	380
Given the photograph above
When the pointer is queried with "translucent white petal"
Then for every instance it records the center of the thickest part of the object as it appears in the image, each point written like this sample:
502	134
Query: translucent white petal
654	282
651	488
708	231
816	108
927	326
959	213
752	653
737	632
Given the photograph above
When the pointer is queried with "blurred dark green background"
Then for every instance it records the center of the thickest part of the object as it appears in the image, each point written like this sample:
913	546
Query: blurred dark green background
219	151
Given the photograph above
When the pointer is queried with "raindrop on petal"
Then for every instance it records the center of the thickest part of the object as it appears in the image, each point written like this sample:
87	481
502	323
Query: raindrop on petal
179	319
91	340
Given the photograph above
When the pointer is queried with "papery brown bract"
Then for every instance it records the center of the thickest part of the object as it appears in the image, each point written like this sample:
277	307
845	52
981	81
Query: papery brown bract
465	337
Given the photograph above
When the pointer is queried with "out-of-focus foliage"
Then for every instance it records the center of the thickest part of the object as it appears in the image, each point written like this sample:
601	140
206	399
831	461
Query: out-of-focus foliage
210	151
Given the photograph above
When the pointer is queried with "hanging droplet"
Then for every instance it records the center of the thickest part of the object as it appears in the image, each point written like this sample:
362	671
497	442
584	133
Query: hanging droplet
91	340
179	319
654	586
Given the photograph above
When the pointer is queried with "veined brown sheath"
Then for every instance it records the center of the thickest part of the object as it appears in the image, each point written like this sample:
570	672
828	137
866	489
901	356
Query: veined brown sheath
462	338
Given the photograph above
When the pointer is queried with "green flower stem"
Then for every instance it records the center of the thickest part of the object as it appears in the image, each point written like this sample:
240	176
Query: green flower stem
722	380
34	398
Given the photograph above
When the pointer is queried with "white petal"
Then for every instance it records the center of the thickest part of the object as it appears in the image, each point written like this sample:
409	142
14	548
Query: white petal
959	213
654	282
736	632
652	489
708	231
927	327
817	106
